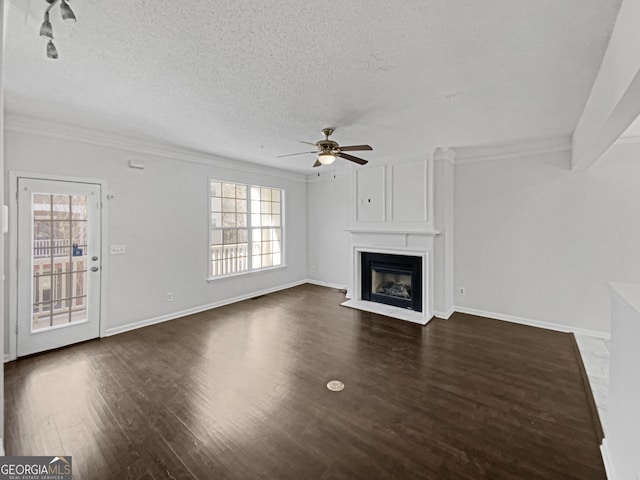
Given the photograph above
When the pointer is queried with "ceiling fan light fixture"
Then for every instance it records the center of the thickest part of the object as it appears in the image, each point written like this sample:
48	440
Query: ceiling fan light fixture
326	158
52	51
67	14
328	150
46	30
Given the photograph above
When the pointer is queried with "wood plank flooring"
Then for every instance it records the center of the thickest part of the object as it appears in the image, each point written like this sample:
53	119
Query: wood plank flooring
239	393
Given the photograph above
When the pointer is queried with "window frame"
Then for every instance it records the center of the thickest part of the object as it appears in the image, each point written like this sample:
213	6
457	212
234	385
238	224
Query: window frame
251	270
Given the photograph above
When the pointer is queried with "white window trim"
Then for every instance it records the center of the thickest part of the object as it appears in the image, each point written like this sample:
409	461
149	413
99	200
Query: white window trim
248	272
283	265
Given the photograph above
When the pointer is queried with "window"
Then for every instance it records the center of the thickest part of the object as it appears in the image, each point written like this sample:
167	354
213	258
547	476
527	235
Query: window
245	228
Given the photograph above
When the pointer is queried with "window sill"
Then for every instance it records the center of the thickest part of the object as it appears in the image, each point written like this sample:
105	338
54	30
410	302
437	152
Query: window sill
243	274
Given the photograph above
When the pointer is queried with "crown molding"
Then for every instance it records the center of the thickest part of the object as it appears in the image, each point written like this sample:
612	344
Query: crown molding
483	153
34	126
445	154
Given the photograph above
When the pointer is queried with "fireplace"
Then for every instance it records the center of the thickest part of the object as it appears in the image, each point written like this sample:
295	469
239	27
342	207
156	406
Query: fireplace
392	279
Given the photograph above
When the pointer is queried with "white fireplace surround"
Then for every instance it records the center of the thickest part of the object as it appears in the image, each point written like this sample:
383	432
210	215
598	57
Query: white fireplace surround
417	244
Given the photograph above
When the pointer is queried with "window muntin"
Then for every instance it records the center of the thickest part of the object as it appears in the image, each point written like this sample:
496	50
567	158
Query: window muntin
245	228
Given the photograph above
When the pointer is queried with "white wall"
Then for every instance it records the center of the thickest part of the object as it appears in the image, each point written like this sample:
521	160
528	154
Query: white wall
537	241
3	349
160	214
329	210
622	433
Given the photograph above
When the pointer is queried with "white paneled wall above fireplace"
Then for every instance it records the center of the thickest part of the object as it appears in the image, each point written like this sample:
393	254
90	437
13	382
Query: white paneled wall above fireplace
395	197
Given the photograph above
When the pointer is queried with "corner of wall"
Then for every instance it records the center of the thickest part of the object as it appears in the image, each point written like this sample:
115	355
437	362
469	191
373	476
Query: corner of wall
3	4
443	197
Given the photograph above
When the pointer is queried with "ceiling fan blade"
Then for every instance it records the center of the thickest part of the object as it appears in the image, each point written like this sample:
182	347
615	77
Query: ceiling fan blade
353	148
351	158
292	154
317	164
308	143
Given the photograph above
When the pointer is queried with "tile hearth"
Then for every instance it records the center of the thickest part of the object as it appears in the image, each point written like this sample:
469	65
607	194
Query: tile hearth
388	311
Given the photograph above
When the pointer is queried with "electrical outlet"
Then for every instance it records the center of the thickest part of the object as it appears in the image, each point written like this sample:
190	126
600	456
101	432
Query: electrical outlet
313	269
169	296
117	249
461	291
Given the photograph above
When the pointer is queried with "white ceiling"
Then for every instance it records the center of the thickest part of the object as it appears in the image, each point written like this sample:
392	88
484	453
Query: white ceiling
247	80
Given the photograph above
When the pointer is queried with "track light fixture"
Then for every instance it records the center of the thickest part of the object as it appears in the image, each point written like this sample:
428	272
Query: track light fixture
52	51
46	30
67	14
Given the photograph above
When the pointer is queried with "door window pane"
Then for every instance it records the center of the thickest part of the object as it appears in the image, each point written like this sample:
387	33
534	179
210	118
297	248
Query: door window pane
79	233
59	259
61	207
41	207
78	207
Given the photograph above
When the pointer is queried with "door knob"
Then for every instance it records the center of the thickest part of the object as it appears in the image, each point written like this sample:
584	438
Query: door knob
94	258
94	269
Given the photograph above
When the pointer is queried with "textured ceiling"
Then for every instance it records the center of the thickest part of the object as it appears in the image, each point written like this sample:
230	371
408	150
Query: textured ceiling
248	80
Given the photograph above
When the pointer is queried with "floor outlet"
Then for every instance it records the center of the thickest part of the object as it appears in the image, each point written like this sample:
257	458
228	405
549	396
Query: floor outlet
169	297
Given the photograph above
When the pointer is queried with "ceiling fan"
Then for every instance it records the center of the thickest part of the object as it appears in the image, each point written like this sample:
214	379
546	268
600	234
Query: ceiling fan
327	151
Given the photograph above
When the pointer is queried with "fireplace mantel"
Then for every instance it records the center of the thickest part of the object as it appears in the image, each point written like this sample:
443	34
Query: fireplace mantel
395	242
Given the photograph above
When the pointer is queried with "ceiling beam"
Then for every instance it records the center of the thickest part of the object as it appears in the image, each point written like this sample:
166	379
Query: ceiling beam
614	101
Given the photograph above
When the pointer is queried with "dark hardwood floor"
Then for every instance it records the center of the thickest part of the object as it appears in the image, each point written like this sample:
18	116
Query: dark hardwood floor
239	393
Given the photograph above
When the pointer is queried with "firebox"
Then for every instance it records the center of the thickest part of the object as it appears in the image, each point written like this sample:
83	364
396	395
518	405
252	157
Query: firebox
392	279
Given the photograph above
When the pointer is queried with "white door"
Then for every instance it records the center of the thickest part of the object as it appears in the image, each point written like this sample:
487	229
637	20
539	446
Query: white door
59	264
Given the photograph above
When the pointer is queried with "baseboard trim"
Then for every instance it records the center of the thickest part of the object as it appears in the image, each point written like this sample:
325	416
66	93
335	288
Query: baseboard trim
190	311
606	459
534	323
445	315
326	284
7	358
